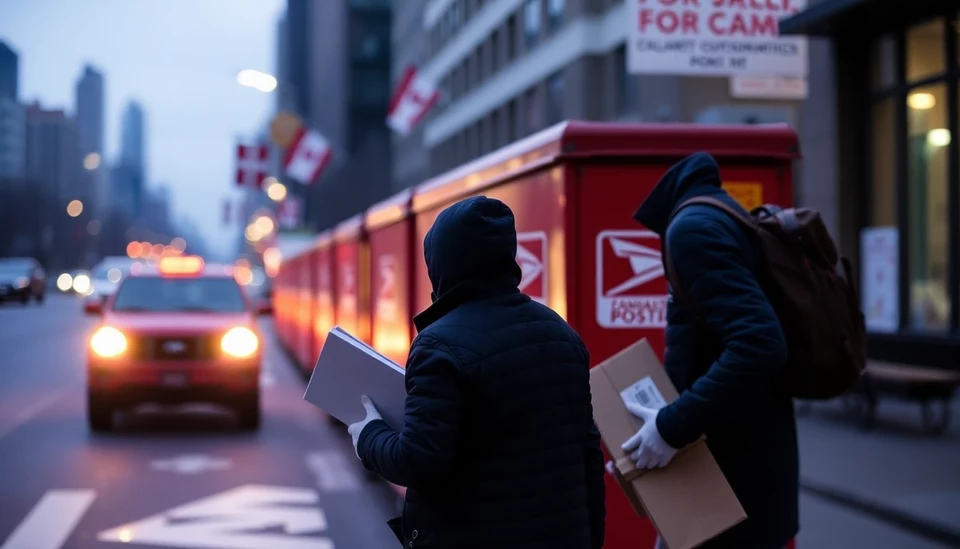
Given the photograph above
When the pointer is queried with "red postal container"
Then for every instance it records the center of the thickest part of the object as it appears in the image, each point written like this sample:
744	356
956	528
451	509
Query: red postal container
323	296
303	339
573	189
350	277
389	228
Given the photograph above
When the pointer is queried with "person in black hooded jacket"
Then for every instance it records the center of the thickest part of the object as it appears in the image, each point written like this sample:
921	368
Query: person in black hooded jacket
724	357
498	447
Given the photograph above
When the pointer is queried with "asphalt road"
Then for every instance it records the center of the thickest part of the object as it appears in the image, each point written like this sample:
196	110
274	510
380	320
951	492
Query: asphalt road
186	479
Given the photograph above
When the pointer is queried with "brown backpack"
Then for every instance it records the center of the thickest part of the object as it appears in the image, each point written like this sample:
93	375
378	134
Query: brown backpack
812	290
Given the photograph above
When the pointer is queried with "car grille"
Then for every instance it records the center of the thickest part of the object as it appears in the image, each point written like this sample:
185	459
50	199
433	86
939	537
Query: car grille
175	347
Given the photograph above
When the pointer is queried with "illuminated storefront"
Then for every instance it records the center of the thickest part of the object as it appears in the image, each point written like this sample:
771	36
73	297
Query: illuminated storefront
896	81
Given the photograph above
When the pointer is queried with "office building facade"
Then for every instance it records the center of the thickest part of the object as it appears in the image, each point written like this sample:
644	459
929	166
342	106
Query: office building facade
897	83
13	128
9	72
509	68
337	69
89	97
53	154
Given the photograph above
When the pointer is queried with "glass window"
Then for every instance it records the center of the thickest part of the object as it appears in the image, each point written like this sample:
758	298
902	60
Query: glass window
154	294
511	38
512	121
555	110
534	114
531	23
555	14
883	62
369	38
928	244
628	85
370	87
883	189
925	50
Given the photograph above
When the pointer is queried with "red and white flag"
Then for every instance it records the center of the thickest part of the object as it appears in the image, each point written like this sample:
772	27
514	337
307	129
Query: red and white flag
288	214
411	101
253	164
307	156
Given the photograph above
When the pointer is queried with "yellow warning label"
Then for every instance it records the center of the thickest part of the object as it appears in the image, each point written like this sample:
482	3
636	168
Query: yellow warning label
749	195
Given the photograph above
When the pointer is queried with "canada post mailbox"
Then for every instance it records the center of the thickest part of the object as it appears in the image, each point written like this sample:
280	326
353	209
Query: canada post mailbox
573	189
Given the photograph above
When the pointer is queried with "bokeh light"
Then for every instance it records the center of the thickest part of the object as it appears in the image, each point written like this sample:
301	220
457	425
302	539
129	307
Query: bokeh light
74	208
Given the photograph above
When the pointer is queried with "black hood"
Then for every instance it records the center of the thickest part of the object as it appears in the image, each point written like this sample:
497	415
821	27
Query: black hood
471	252
474	239
695	175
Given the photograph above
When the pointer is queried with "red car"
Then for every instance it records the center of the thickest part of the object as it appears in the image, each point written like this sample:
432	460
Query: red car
181	333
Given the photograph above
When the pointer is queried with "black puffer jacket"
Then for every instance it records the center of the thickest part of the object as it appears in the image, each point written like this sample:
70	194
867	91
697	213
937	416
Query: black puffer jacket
498	448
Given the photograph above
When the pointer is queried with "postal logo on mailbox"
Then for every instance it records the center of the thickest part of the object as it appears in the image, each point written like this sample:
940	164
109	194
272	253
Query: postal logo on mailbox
531	256
628	269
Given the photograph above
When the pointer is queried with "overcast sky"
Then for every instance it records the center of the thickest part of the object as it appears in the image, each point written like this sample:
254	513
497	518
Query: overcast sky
179	59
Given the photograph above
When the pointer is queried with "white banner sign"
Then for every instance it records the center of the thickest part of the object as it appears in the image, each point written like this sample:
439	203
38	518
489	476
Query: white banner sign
880	278
769	87
714	38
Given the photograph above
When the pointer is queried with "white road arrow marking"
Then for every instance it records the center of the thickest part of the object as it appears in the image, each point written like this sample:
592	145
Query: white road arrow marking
50	522
230	520
332	472
191	464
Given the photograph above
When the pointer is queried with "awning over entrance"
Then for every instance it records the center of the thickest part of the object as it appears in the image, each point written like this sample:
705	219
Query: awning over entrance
831	18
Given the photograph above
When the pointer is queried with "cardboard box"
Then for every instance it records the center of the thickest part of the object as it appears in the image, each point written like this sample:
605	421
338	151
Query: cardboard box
689	501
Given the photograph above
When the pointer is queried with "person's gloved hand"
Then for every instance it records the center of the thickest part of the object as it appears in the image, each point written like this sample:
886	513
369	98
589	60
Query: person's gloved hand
356	428
646	447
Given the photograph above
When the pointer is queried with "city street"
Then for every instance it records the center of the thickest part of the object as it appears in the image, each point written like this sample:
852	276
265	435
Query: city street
187	480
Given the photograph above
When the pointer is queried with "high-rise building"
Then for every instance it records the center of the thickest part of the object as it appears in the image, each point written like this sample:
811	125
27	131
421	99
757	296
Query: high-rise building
344	93
9	72
90	119
12	120
13	127
127	179
53	154
132	151
89	101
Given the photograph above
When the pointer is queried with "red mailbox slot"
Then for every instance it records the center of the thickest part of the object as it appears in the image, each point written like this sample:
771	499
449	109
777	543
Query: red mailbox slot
573	189
348	277
323	296
389	228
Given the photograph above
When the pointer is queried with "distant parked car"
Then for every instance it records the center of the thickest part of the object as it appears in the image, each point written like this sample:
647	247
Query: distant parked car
22	278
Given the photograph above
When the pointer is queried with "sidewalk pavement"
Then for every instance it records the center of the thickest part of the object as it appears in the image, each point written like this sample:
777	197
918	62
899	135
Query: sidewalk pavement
893	487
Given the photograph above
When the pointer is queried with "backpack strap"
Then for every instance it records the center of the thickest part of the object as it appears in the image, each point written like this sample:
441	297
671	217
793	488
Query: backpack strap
669	268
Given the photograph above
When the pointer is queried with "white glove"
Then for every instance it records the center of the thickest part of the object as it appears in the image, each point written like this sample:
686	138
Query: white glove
356	428
646	447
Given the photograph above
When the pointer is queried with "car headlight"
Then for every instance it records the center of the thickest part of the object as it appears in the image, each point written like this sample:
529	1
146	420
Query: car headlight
108	342
81	284
240	342
23	282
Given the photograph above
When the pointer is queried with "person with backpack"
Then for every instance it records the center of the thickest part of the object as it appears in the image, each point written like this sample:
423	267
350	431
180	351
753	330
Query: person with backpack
724	358
762	309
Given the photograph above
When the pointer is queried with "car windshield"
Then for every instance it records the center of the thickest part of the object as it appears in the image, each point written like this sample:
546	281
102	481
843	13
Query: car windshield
113	273
14	270
158	294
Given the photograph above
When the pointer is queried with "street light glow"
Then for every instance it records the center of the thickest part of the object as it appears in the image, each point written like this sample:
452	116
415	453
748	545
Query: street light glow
257	80
277	191
91	161
74	208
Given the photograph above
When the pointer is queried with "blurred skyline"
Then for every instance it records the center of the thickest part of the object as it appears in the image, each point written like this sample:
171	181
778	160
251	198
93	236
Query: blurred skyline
179	60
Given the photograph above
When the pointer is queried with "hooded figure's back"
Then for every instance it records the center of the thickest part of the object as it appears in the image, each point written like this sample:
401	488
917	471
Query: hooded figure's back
499	447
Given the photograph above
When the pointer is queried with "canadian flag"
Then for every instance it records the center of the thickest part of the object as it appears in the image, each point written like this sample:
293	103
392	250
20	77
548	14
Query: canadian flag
413	98
307	156
253	164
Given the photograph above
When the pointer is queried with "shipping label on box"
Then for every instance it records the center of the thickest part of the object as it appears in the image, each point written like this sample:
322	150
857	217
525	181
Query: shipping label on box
689	501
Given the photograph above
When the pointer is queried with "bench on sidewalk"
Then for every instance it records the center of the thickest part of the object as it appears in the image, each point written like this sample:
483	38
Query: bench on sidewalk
933	389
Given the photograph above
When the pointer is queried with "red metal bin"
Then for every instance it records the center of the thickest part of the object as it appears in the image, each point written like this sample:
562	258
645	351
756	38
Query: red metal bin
323	295
574	188
389	228
350	278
